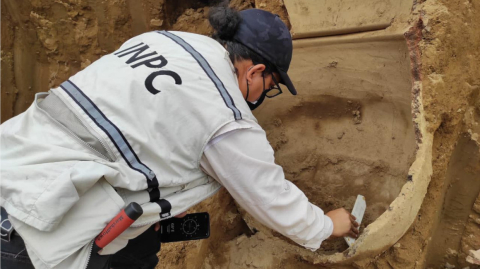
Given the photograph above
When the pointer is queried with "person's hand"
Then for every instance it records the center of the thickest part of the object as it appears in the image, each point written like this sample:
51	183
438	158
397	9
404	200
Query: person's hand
181	215
344	223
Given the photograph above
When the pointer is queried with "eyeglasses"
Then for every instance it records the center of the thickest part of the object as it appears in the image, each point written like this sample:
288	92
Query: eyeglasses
274	90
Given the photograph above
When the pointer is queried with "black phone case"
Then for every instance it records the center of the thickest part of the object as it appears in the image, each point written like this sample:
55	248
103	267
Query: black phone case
191	227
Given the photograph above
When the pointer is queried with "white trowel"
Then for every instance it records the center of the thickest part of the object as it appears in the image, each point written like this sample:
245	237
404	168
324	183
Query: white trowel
358	211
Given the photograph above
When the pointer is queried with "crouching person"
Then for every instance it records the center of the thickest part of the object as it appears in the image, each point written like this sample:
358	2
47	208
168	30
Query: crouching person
164	121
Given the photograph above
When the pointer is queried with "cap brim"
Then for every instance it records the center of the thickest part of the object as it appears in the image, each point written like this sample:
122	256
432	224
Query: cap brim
285	80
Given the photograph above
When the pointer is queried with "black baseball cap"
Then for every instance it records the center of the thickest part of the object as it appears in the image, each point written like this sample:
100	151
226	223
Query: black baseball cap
266	34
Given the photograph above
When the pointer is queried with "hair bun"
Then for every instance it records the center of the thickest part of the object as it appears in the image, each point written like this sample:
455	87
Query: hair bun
225	21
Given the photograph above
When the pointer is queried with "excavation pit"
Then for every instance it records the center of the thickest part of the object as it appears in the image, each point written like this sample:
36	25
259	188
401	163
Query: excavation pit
350	130
329	151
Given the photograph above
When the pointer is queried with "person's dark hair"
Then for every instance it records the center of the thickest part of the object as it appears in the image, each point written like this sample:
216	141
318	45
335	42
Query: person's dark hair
225	22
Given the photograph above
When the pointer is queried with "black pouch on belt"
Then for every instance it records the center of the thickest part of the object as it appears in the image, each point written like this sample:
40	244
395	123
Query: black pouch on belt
7	228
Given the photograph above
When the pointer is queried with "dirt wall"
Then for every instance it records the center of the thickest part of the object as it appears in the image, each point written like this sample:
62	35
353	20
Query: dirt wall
450	62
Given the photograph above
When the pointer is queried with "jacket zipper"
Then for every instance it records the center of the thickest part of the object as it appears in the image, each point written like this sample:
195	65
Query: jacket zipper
90	248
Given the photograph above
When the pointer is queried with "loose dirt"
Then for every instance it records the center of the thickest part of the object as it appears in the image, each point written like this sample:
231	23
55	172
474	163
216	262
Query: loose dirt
337	139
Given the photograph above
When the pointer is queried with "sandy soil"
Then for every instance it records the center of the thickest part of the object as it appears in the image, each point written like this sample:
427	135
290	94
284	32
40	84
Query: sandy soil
451	86
46	41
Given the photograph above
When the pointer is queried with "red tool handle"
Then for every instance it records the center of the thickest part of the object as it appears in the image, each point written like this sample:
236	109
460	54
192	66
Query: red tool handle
118	224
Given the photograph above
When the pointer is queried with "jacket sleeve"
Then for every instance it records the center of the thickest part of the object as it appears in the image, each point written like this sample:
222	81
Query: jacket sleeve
242	161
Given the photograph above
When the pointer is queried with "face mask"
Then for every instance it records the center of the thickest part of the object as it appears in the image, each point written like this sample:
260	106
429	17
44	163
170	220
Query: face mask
254	105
